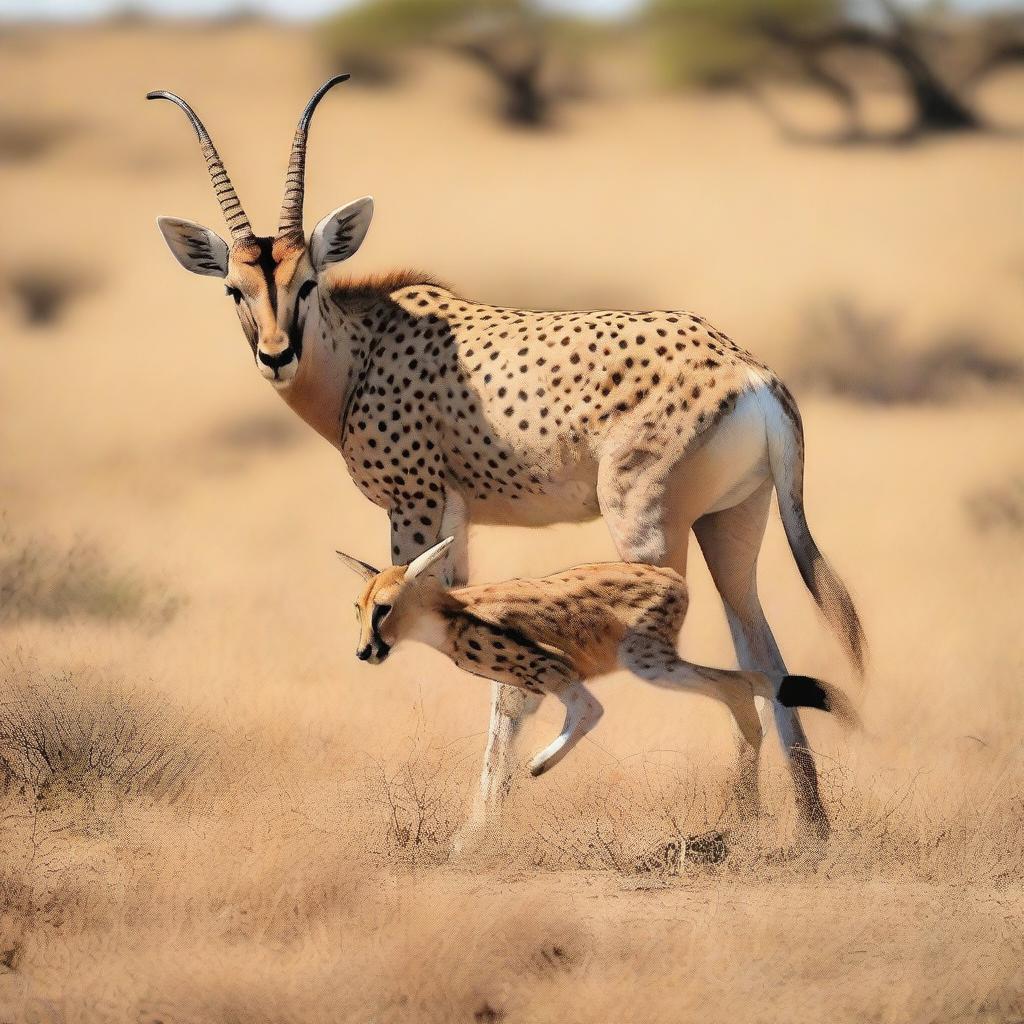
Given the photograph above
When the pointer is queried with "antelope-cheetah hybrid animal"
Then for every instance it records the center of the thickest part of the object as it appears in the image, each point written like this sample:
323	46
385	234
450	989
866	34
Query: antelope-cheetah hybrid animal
550	635
449	411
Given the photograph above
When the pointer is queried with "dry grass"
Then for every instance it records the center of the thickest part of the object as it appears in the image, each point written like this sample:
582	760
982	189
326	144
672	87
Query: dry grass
857	355
298	914
65	736
40	579
42	294
998	508
228	819
26	139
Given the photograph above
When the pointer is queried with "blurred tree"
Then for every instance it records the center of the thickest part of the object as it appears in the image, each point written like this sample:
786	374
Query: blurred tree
508	39
713	42
726	42
913	44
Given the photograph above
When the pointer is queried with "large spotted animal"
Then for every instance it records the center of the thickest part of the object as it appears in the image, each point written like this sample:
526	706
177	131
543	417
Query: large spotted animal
551	635
449	411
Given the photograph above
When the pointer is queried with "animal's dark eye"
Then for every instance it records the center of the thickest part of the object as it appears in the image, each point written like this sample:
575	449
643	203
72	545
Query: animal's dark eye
307	287
380	613
234	293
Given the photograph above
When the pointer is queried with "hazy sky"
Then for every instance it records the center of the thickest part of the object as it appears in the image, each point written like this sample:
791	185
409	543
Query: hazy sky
286	8
297	8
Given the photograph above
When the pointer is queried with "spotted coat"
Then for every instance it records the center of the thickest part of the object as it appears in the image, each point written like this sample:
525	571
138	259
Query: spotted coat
517	410
550	635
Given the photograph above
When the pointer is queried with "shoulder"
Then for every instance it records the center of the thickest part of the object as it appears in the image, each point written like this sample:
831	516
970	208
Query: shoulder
394	285
424	296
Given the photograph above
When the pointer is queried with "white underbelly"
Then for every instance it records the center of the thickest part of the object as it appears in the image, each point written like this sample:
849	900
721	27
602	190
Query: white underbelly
562	501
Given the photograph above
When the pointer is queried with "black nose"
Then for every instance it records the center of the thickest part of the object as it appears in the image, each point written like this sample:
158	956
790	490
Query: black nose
364	654
277	361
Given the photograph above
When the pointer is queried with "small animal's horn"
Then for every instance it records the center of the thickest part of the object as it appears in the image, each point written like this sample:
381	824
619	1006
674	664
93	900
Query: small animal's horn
230	204
295	181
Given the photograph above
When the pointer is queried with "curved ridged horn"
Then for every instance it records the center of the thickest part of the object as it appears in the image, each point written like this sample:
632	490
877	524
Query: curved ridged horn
230	204
295	180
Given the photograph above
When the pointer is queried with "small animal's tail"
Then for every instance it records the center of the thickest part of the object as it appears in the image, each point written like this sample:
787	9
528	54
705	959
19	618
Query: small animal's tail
786	457
805	692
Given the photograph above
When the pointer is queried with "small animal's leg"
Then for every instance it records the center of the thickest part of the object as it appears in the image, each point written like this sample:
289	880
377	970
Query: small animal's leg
582	712
654	659
731	541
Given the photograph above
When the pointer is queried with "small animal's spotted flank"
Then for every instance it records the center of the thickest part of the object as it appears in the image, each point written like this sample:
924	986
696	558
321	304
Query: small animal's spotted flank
550	635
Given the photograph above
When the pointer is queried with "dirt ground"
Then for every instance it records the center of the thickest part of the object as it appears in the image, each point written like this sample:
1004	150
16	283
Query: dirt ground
212	812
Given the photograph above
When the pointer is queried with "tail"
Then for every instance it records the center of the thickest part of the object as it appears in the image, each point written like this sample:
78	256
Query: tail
805	692
786	457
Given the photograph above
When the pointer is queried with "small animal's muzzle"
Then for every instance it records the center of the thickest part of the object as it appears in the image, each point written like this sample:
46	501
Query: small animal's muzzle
279	368
374	652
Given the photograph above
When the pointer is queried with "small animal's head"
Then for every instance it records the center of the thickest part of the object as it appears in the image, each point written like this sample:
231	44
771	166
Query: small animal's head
270	280
392	599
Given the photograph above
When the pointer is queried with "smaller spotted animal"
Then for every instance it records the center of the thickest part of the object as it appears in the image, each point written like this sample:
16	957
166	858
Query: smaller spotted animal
549	635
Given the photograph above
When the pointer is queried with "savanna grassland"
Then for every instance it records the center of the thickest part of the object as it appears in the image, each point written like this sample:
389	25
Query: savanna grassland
210	812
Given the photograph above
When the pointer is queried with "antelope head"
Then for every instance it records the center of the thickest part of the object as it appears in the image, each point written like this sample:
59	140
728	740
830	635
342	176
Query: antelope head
393	599
270	280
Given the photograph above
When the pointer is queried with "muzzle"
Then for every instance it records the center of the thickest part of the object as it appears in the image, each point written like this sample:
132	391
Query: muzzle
374	652
279	369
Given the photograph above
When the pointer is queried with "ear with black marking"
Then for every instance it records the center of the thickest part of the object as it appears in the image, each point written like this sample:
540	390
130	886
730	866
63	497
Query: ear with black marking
360	568
196	248
339	234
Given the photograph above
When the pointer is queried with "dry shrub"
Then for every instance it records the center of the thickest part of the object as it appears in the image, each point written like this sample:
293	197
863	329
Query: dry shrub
417	798
619	821
858	355
23	139
998	507
42	294
258	431
67	734
40	580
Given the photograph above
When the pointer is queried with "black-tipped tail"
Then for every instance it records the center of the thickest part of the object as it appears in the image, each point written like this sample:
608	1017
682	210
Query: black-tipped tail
803	692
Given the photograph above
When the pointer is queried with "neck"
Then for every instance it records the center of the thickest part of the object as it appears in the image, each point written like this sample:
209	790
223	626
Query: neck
334	342
428	622
429	627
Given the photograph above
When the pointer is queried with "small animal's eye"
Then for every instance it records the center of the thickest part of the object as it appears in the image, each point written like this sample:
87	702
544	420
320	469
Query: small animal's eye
380	613
306	288
234	293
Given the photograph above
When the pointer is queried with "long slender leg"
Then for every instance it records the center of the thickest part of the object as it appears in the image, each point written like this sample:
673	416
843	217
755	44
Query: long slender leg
731	541
654	659
582	712
510	705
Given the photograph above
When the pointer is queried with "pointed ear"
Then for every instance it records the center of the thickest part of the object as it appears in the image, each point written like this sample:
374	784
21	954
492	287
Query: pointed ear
361	569
421	563
196	248
340	233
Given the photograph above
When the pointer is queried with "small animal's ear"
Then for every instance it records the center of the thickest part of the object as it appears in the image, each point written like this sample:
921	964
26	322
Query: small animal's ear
196	248
421	563
340	234
363	569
